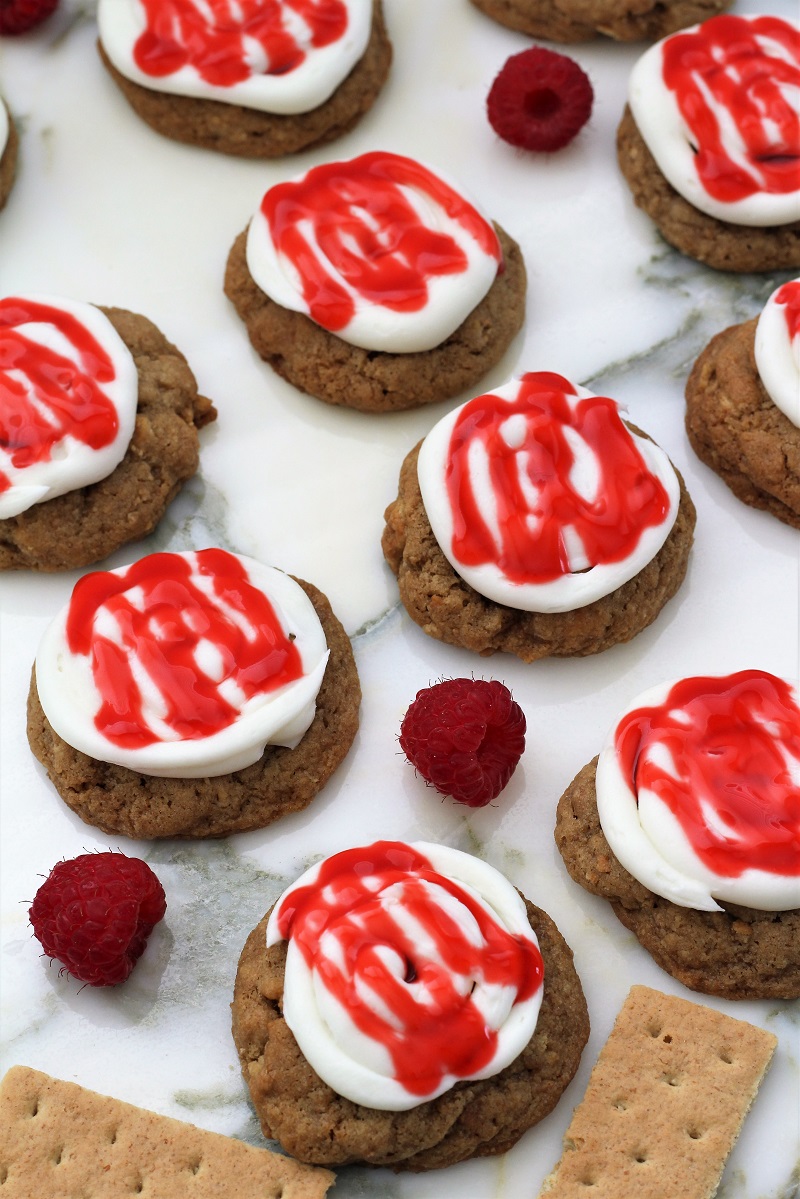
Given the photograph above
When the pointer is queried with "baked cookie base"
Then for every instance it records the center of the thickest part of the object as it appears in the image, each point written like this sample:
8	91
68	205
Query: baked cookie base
86	525
118	800
719	244
325	366
739	953
8	160
248	133
472	1119
447	608
583	20
736	429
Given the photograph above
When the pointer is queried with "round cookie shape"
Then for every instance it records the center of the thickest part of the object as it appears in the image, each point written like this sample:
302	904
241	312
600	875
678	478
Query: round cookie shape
569	21
475	1117
540	496
87	523
118	799
68	395
695	790
330	61
9	142
777	349
183	665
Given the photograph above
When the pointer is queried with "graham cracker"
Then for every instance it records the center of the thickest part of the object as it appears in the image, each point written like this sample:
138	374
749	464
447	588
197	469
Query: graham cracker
664	1104
61	1141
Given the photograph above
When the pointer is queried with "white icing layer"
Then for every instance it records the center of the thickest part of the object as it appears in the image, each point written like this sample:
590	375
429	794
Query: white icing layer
583	582
777	350
71	462
656	110
304	87
359	1066
649	841
71	698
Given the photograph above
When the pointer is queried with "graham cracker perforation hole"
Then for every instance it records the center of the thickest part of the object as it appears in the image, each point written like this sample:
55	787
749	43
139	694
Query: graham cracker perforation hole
620	1105
672	1080
726	1056
695	1133
35	1109
654	1030
58	1156
194	1166
640	1156
3	1174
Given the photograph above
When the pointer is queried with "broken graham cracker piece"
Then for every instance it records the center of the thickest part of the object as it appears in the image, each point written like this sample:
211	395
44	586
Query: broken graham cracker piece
664	1104
60	1141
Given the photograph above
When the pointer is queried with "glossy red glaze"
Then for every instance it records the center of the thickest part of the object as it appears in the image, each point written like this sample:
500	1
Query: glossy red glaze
788	297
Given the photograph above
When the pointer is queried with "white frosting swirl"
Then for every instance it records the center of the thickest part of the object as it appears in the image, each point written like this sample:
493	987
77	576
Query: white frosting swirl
358	1065
777	351
71	462
72	700
4	127
304	87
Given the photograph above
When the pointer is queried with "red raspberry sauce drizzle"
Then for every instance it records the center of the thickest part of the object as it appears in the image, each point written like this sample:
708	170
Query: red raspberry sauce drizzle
160	630
788	296
72	395
753	83
730	740
178	34
629	497
364	225
446	1035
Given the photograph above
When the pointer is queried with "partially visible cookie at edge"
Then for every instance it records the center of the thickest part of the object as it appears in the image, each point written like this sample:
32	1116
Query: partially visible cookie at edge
583	20
8	153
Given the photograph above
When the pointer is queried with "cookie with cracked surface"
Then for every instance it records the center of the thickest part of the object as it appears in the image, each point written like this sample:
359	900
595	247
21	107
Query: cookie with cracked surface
717	243
449	609
118	800
249	133
472	1119
736	429
333	370
83	526
8	157
583	20
738	953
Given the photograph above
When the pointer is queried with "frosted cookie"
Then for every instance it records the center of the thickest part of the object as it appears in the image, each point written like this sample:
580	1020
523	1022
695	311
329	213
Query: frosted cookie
59	1140
534	520
743	406
720	180
376	285
688	824
346	1057
665	1103
192	695
99	416
9	142
583	20
257	80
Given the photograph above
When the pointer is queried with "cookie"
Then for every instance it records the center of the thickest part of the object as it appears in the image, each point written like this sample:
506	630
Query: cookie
245	131
119	799
665	1103
9	144
583	20
736	428
59	1140
561	617
86	524
717	183
472	1117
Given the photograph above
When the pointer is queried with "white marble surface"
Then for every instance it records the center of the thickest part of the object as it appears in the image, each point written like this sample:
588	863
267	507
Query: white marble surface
103	209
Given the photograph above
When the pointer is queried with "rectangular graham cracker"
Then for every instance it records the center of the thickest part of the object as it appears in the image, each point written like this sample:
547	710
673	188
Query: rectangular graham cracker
664	1104
60	1141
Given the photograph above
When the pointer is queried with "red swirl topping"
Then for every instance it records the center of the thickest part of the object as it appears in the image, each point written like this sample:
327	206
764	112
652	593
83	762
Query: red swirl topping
744	72
356	216
212	37
734	749
165	612
439	1031
533	486
46	396
788	296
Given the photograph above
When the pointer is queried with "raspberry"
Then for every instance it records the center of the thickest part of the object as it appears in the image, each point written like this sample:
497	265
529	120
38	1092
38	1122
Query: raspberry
18	16
465	737
95	913
539	100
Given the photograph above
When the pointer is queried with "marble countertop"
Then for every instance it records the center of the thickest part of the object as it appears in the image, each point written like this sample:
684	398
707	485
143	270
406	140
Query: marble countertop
106	210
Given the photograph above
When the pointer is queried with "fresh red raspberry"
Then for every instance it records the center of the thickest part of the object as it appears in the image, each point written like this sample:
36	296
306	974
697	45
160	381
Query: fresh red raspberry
95	913
465	737
18	16
539	100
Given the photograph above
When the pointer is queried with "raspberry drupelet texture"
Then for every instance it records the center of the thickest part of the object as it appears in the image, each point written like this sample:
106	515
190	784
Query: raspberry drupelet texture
539	100
18	16
94	914
465	737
